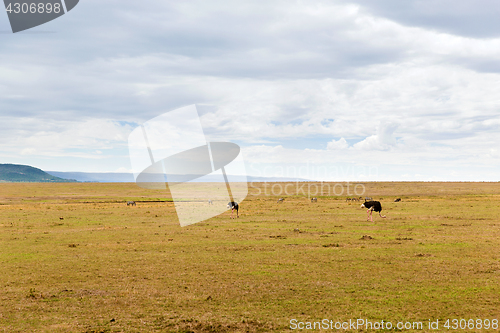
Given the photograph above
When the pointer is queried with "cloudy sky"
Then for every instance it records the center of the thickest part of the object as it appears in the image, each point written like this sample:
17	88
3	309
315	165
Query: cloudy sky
329	90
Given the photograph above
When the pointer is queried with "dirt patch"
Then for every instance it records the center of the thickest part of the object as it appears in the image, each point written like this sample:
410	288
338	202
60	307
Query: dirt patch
195	326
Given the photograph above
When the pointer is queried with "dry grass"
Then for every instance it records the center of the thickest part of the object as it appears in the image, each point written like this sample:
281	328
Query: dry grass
75	258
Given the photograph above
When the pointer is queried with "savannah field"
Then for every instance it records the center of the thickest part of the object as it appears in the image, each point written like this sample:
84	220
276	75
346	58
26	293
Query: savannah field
75	258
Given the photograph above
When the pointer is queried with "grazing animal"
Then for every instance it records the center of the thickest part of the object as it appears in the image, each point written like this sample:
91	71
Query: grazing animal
131	203
233	205
314	199
348	199
368	199
210	202
372	206
397	200
280	200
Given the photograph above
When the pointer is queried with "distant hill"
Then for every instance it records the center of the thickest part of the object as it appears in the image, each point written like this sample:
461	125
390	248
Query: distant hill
99	177
116	177
26	173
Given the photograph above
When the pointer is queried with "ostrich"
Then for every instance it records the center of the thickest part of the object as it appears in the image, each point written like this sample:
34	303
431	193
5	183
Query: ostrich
233	205
280	200
372	206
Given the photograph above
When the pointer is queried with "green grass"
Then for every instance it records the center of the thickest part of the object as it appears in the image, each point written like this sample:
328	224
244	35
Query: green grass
75	258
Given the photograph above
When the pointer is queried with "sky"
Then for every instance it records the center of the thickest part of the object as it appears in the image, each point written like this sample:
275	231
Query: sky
325	90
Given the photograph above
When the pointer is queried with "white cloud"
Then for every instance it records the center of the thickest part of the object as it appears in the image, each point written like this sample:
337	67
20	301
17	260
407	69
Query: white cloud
89	138
336	145
124	170
280	78
370	143
383	140
473	19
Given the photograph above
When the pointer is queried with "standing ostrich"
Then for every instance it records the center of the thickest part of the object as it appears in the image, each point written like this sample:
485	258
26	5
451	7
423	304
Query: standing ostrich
372	206
233	205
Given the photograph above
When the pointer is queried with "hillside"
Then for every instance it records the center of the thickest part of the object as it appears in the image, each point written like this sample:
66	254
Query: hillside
122	177
26	173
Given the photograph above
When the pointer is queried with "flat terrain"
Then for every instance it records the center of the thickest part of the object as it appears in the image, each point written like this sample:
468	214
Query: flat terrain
75	258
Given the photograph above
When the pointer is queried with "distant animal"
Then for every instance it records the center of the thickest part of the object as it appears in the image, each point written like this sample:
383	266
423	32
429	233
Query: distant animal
314	199
210	202
372	206
61	218
397	200
280	200
131	203
234	206
348	199
368	199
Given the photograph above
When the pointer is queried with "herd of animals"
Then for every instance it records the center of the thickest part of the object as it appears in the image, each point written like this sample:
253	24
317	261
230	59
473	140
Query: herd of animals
370	204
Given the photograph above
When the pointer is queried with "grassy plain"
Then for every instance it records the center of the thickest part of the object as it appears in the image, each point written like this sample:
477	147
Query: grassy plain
75	258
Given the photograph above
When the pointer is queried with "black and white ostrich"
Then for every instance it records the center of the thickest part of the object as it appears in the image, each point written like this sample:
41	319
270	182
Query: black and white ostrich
372	206
234	206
